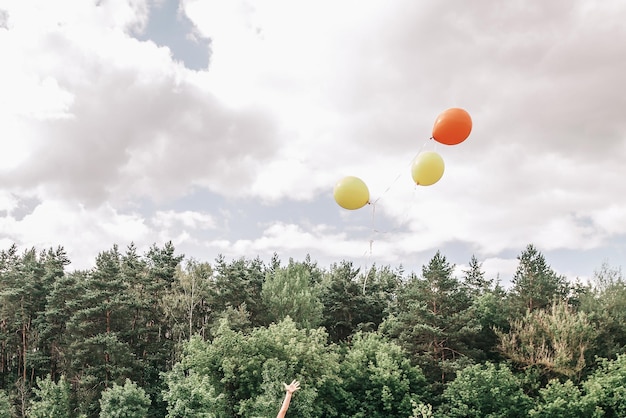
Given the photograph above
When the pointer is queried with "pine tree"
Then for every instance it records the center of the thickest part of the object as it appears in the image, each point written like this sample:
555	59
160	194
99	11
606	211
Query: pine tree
555	339
99	355
432	320
474	278
238	285
535	284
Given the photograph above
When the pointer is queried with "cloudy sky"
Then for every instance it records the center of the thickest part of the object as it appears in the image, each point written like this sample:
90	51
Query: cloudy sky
223	126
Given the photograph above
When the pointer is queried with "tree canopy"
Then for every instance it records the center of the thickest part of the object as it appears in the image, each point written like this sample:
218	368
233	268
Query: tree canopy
160	335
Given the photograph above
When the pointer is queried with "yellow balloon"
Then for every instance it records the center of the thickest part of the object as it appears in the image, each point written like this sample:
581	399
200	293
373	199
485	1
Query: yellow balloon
427	168
351	193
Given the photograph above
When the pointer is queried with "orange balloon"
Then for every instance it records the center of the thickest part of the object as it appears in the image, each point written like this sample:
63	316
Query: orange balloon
452	126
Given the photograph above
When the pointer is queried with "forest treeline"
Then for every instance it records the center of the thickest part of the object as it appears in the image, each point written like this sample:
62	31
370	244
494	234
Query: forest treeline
158	335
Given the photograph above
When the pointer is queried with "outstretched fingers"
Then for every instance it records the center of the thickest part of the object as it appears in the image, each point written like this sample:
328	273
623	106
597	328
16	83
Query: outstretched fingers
292	387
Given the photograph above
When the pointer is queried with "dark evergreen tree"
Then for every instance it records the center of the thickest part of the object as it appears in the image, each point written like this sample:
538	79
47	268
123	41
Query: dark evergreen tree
474	278
238	285
63	300
535	284
380	286
98	353
354	301
50	324
156	344
432	321
22	303
341	296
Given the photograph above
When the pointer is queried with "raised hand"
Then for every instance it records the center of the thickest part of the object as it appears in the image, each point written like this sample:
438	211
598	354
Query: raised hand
292	387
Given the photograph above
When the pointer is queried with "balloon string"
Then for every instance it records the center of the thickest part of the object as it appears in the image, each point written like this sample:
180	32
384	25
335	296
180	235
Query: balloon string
371	245
373	223
375	231
402	171
388	187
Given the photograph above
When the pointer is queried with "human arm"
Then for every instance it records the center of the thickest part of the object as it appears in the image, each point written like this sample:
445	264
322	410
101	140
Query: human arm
289	390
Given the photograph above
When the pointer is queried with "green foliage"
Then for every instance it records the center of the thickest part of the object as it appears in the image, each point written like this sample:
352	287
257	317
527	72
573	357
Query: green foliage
474	278
127	401
6	407
555	339
238	284
186	305
433	320
421	410
487	313
246	369
190	395
354	301
378	379
403	338
99	321
53	399
485	391
605	303
290	291
606	388
561	400
535	284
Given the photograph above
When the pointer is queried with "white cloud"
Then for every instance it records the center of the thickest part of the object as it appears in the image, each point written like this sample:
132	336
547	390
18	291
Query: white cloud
81	231
107	117
299	94
187	219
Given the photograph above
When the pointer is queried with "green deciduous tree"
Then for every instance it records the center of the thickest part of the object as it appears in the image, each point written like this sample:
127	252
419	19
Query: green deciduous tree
291	291
604	300
247	370
190	395
6	407
605	389
485	391
378	380
186	306
561	400
127	401
52	399
422	410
